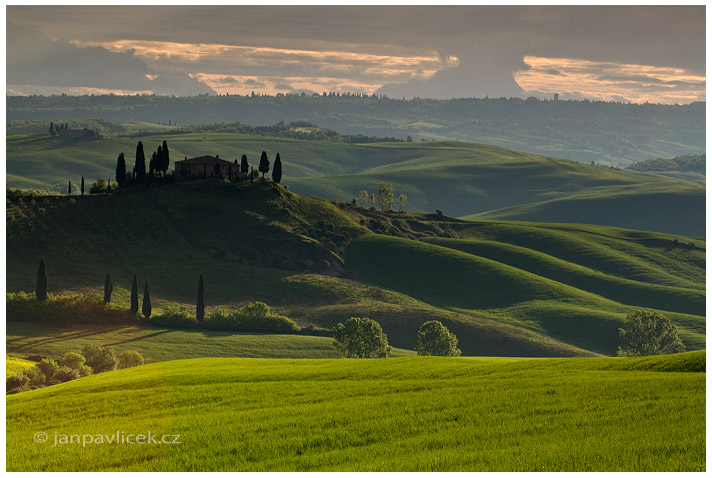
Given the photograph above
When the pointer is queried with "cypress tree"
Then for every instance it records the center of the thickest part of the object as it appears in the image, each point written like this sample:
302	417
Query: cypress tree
264	164
82	185
41	286
108	289
244	167
140	167
252	174
200	307
277	170
69	188
166	158
108	185
151	167
121	170
158	163
134	295
146	306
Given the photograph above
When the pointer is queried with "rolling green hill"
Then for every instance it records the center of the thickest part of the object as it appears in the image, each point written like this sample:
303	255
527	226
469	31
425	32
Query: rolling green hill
504	288
460	178
400	414
472	282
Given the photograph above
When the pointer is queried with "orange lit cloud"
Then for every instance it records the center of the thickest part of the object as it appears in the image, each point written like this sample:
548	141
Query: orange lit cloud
576	79
244	69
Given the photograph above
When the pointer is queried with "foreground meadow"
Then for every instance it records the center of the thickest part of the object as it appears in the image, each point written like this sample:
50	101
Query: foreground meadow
398	414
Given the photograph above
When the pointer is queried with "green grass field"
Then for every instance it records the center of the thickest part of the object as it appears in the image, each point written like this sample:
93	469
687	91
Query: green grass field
401	414
160	344
457	177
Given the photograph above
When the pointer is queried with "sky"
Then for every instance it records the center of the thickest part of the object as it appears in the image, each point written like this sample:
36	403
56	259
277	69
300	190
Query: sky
634	54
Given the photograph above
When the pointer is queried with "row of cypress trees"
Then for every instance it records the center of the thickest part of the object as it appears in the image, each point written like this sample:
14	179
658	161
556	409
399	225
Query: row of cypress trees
41	292
159	162
146	303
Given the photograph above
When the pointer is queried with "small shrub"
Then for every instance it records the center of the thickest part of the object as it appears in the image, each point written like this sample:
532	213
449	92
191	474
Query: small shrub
98	186
17	381
48	367
130	358
63	374
100	359
174	317
36	377
254	317
76	308
76	361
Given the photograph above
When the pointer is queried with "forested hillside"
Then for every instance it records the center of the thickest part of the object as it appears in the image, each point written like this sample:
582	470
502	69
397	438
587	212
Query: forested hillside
608	133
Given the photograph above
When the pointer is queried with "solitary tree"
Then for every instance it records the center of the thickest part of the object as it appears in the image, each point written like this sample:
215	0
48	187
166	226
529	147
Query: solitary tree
121	170
435	339
277	170
82	185
108	289
264	164
371	200
648	333
140	167
361	337
401	202
385	196
244	166
41	286
134	295
69	188
200	306
363	197
146	305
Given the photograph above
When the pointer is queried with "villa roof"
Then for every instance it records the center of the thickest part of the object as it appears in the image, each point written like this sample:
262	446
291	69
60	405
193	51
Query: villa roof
205	160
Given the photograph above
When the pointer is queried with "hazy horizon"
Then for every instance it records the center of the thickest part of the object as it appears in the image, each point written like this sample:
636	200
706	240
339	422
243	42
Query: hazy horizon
632	54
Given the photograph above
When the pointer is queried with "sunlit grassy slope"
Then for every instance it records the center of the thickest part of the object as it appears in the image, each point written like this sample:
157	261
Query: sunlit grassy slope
402	414
514	289
457	177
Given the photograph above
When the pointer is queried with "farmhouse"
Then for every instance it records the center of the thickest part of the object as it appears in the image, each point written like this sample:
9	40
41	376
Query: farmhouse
204	167
76	133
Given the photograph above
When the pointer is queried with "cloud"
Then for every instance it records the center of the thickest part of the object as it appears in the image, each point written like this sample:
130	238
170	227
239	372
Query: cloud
34	59
609	81
283	86
401	50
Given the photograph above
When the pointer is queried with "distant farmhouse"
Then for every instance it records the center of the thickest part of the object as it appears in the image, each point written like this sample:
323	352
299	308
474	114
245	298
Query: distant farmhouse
77	133
205	167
